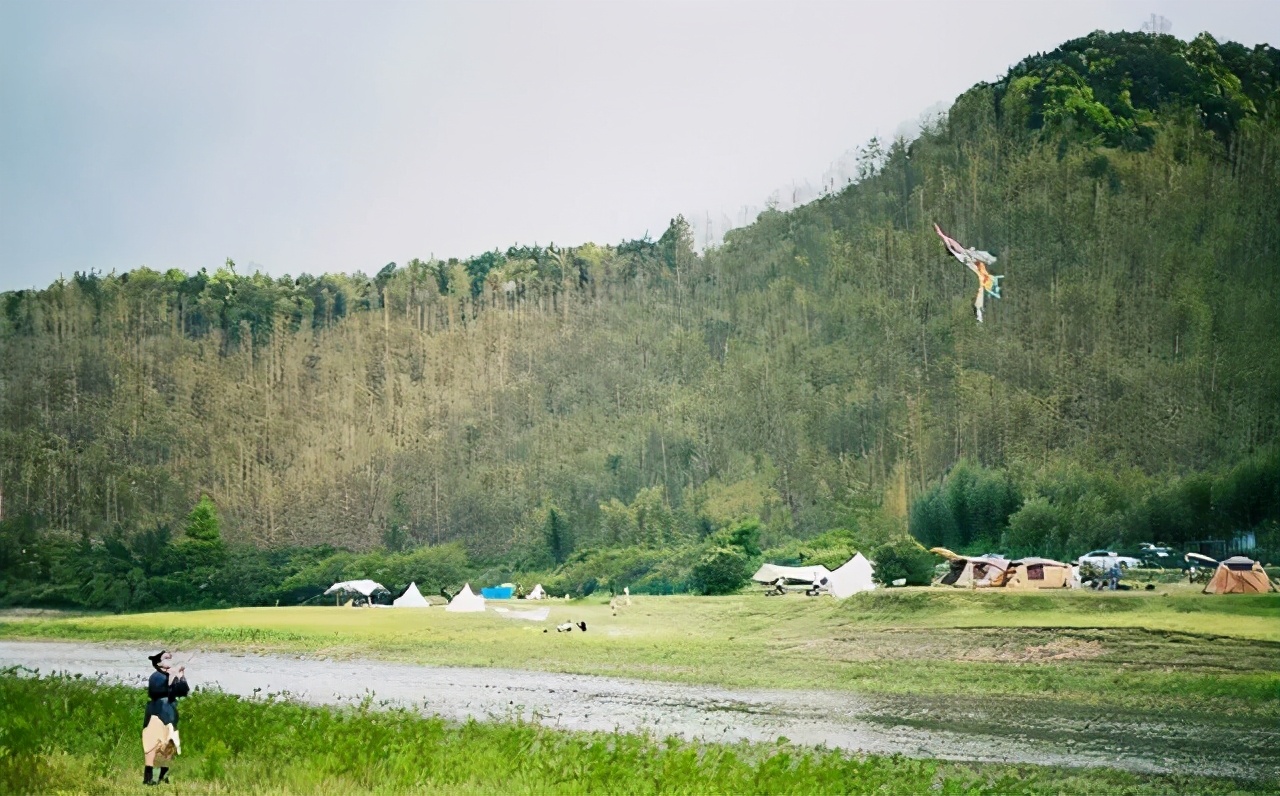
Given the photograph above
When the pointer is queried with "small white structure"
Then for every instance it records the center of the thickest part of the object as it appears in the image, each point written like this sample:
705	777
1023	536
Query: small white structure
853	576
537	593
769	573
466	601
412	598
367	588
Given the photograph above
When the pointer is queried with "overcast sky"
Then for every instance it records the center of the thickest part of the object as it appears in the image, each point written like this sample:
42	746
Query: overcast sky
333	136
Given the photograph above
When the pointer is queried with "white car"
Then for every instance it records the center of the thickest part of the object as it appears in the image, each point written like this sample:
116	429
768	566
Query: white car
1106	559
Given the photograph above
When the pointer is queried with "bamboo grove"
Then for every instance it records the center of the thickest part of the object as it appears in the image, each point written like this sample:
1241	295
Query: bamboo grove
820	369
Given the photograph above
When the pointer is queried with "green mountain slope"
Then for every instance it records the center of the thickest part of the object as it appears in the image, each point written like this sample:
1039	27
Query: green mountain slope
822	368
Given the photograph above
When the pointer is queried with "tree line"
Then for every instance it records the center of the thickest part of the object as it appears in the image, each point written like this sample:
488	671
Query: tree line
820	370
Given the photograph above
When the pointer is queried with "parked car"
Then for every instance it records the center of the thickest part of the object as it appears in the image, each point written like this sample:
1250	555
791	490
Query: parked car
1106	559
1159	556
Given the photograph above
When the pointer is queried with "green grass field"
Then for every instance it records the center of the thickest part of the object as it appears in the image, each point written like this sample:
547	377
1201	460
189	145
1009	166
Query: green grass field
76	736
1136	650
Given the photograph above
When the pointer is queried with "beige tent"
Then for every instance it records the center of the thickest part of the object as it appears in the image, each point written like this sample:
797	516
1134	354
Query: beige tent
768	573
1037	573
365	587
412	598
537	593
972	571
466	601
1239	575
853	576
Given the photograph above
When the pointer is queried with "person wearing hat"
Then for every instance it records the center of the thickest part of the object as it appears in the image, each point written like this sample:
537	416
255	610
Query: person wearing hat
160	741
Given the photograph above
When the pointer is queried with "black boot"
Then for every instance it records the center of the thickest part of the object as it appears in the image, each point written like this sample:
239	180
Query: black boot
164	775
146	776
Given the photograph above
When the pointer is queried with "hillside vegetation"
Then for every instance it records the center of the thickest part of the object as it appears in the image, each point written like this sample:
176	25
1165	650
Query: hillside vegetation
619	408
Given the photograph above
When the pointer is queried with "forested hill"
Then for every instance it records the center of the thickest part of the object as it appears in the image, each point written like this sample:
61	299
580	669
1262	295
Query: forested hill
821	369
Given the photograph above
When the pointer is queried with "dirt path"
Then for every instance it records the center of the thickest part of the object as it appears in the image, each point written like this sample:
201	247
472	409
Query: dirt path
1042	732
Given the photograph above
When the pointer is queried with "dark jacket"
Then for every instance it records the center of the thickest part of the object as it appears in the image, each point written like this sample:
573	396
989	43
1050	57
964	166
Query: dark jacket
162	695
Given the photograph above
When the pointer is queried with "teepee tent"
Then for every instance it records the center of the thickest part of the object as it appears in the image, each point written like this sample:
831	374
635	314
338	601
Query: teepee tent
412	598
466	601
851	577
537	593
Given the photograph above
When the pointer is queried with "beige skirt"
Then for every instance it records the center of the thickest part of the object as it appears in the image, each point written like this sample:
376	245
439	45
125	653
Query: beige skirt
160	742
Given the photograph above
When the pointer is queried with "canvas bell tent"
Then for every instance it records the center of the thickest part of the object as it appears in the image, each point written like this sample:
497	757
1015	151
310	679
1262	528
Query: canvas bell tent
412	598
537	593
972	571
851	577
1037	573
1239	575
466	601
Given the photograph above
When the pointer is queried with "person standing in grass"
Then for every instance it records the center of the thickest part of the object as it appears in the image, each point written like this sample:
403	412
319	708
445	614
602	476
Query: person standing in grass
160	741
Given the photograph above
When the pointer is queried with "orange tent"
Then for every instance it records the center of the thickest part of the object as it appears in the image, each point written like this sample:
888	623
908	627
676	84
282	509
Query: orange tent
1239	575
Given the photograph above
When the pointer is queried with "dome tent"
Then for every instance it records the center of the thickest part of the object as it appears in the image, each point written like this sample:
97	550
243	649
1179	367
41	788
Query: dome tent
972	571
1239	575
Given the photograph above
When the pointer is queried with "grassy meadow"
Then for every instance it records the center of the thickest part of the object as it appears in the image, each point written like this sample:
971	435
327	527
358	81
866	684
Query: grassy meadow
75	735
1133	650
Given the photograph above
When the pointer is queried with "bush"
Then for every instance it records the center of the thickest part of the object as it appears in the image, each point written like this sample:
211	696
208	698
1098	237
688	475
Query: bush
721	570
610	569
903	557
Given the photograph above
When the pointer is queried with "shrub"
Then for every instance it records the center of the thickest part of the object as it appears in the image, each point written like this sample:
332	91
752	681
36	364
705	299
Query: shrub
903	557
721	570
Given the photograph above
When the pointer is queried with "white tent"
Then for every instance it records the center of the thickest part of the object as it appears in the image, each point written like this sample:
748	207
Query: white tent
852	577
466	601
365	587
537	593
412	598
807	575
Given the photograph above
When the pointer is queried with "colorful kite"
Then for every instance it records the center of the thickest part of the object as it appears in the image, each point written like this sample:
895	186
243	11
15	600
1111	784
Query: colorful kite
977	262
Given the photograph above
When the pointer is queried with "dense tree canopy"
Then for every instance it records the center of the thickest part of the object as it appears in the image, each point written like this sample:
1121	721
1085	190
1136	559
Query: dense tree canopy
608	409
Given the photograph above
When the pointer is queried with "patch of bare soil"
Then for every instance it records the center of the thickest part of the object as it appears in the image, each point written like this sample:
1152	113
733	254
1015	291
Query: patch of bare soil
988	645
1066	649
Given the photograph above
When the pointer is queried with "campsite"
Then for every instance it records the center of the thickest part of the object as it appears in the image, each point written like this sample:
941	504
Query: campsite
1184	673
912	659
544	397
